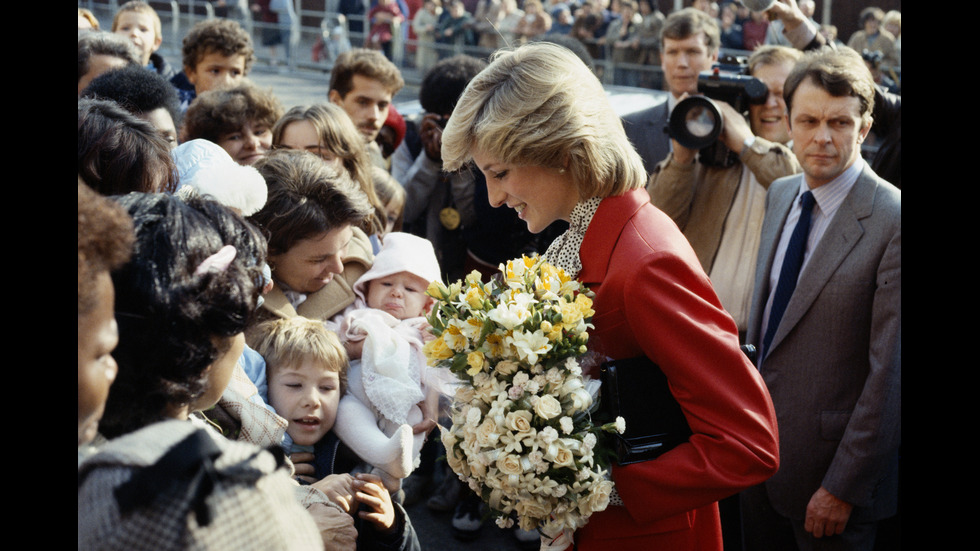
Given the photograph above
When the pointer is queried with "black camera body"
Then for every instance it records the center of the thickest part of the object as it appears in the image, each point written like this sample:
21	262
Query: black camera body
696	122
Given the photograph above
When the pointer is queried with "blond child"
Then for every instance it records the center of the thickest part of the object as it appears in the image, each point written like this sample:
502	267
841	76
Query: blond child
138	21
306	369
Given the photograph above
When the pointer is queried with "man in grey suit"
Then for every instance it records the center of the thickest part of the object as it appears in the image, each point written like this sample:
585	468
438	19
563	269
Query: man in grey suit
689	44
829	338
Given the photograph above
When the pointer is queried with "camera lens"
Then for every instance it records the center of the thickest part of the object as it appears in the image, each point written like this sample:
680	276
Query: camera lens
699	121
695	122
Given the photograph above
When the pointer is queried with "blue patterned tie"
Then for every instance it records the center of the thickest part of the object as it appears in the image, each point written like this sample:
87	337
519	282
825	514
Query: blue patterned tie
790	271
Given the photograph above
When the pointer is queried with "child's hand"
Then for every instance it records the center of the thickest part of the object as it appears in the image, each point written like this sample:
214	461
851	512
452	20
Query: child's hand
354	349
430	411
372	493
339	489
303	466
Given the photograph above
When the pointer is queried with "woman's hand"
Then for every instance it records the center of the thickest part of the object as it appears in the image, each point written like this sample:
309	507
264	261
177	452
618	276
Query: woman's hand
372	493
339	488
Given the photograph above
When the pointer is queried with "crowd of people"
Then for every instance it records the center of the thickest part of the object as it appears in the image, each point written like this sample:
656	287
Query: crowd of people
252	276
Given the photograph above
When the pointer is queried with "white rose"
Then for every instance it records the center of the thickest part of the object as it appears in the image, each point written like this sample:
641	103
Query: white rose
486	434
519	421
581	400
509	464
531	511
563	457
599	497
548	407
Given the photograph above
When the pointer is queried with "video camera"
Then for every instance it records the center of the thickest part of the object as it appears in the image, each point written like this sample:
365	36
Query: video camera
696	122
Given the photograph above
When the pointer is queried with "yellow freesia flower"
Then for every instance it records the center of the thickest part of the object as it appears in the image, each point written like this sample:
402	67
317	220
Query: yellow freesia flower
437	290
454	338
476	361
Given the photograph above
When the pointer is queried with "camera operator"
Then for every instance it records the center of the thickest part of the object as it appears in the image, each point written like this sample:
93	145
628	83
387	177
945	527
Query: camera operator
720	208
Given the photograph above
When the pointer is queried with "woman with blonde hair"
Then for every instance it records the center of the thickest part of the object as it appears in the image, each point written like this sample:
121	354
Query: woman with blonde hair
538	124
325	130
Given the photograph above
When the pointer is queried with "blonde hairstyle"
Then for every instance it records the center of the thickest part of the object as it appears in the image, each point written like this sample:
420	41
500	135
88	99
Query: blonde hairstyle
288	342
540	105
338	135
139	6
389	190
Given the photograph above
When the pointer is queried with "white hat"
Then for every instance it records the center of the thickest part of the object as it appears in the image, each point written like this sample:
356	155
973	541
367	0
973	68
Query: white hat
209	170
401	252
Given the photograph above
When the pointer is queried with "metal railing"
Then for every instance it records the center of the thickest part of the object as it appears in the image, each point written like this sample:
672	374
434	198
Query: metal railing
333	32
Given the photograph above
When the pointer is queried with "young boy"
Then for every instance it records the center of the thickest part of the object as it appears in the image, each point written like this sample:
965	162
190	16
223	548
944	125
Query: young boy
384	332
139	22
217	53
306	374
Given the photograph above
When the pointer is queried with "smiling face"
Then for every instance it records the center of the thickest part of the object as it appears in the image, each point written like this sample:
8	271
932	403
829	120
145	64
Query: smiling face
768	120
402	295
97	337
683	59
248	144
311	263
366	104
539	195
307	396
827	132
215	71
139	28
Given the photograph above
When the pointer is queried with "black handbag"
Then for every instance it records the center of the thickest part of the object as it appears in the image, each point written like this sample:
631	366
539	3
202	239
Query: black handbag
636	389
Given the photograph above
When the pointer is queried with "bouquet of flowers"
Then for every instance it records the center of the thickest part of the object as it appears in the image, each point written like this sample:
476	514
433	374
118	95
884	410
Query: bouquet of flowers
522	435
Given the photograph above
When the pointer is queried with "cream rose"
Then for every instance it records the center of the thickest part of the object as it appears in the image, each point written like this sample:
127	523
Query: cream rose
599	497
509	464
548	407
486	434
519	421
563	457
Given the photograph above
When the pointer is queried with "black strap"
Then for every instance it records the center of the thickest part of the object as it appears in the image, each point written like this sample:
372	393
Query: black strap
188	466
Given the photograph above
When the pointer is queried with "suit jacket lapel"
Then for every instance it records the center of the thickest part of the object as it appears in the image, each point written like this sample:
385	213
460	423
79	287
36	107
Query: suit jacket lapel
837	242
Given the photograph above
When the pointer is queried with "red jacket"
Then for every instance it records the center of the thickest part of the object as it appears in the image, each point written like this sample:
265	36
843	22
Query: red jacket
653	298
